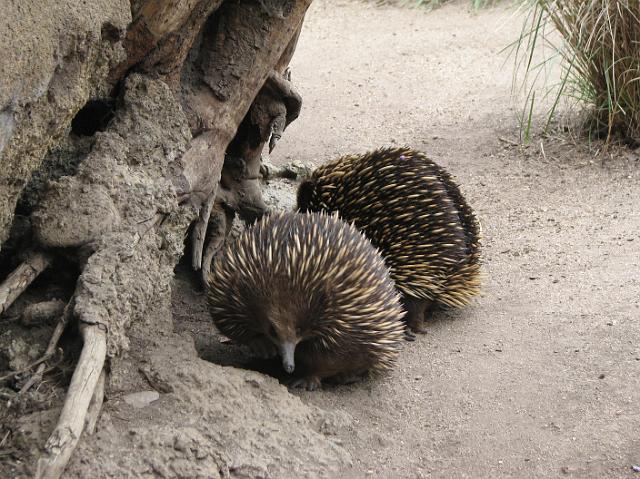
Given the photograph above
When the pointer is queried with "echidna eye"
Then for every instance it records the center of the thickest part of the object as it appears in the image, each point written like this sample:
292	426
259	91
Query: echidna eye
272	331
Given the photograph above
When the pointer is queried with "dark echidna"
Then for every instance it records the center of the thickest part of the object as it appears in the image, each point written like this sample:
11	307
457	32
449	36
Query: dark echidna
313	289
411	209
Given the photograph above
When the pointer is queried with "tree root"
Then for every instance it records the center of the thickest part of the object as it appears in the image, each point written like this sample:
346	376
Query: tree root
21	278
200	231
85	380
278	103
219	228
53	343
162	157
96	405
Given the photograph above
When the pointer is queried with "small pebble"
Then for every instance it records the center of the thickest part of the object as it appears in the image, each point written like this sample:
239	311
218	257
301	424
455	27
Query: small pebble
635	468
179	444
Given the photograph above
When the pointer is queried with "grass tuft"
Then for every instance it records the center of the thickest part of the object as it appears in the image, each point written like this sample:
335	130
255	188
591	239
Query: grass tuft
598	45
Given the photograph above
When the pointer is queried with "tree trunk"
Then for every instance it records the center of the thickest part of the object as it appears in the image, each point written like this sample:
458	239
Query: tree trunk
192	82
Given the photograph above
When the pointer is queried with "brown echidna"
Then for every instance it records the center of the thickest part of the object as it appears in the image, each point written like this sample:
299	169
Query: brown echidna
312	288
411	209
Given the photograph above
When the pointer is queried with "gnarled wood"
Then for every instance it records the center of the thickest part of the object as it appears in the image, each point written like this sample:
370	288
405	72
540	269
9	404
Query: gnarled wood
95	406
200	231
21	278
214	61
161	35
219	228
66	435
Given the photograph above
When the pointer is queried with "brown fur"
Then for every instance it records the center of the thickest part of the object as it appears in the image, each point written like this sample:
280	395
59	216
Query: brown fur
410	208
315	282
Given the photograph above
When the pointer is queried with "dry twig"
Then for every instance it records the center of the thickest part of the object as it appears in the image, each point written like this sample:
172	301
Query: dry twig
21	278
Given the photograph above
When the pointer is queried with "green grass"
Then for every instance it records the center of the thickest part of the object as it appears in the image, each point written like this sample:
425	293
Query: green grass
597	43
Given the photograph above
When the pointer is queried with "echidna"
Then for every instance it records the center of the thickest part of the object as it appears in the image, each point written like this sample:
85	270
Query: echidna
314	288
411	209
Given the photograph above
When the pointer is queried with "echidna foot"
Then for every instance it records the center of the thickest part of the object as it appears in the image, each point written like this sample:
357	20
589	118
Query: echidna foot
347	378
408	334
415	318
419	327
263	348
310	383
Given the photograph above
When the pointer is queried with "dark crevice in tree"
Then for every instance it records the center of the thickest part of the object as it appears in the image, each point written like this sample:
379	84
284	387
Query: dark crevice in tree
93	117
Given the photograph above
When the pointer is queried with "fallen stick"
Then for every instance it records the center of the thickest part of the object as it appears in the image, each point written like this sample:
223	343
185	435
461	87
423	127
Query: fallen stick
65	437
21	278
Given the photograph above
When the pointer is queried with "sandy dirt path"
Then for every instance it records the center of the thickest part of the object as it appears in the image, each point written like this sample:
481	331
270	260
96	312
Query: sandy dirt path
541	377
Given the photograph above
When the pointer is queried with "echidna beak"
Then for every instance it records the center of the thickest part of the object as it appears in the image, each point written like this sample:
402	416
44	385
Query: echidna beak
288	350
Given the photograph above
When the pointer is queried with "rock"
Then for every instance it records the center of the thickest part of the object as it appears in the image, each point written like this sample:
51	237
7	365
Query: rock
141	399
296	170
267	169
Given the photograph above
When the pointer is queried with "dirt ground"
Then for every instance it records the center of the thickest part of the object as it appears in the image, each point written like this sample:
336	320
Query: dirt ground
541	376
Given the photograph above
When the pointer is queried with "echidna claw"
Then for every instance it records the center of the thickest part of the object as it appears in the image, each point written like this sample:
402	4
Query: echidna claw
409	335
310	383
420	328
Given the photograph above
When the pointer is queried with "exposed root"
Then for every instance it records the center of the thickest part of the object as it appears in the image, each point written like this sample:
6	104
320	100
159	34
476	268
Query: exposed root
281	93
278	103
51	348
21	278
219	228
96	405
65	436
200	231
161	156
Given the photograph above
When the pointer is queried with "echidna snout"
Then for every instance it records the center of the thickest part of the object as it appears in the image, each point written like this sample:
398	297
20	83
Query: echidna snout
287	351
314	290
284	330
